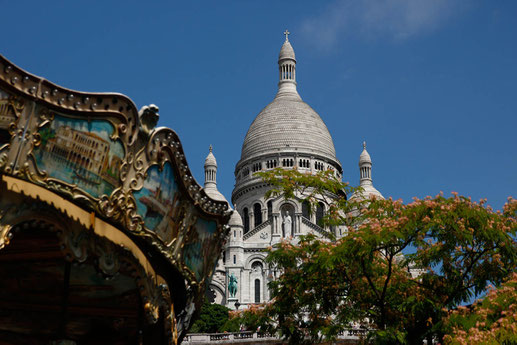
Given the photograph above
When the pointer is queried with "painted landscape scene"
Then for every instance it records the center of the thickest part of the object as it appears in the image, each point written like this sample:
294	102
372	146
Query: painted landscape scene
81	152
197	253
158	203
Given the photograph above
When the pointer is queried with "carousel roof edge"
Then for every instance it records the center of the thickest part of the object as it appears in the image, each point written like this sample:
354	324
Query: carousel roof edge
187	172
97	151
58	97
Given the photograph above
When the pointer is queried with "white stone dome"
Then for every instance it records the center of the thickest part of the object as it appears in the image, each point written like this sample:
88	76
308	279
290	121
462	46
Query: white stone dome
364	157
288	124
287	51
210	159
235	219
286	133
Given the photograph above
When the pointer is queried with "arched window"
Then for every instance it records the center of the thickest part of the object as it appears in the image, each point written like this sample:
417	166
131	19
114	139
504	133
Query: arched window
306	209
319	213
257	212
246	220
257	290
269	209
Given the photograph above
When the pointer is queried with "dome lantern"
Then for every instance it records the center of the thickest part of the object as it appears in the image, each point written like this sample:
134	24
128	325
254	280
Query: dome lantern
365	166
287	64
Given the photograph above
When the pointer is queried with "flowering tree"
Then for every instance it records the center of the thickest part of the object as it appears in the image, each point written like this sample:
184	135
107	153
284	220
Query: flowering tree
397	272
490	321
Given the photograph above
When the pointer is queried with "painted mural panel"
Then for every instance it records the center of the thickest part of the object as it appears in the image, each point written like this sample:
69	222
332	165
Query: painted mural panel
81	152
199	253
10	109
159	203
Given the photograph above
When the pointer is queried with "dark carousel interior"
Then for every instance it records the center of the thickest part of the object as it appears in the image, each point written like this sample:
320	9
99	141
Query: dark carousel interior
47	298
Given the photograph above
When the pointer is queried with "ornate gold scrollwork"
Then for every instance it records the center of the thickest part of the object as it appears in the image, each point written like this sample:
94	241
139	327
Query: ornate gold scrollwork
5	232
3	157
120	207
168	313
11	109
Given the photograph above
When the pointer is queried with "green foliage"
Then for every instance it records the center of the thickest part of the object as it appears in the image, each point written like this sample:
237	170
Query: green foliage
457	246
213	318
322	187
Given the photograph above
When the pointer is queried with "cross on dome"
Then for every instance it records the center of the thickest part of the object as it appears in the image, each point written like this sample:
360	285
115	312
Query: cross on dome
364	145
286	33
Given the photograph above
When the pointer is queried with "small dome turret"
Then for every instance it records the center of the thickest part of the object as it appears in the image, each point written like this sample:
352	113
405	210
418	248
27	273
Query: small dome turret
235	219
365	170
211	177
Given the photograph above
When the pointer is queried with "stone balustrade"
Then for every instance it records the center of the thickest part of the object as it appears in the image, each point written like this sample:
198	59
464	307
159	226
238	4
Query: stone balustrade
349	336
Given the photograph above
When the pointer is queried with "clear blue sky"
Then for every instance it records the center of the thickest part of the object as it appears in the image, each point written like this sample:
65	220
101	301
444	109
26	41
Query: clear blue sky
430	85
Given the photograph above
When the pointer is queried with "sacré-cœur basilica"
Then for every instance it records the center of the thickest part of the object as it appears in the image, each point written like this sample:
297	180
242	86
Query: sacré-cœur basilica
287	133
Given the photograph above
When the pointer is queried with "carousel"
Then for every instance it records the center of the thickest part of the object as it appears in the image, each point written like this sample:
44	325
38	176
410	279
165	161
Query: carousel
105	236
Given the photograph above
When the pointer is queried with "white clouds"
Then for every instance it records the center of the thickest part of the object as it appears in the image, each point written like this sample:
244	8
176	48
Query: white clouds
391	19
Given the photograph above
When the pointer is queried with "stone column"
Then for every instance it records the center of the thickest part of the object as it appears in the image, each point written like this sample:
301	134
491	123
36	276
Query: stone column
275	237
252	221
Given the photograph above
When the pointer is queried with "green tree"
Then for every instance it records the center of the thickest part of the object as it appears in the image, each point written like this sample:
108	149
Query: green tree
399	269
214	318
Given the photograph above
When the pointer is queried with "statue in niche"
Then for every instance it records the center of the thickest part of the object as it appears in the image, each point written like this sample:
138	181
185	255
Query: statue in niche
257	267
288	224
232	285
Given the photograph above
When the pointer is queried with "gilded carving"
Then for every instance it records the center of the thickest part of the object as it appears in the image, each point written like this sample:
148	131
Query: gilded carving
11	108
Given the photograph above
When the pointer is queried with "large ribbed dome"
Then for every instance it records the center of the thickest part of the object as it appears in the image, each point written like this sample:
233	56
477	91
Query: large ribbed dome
288	123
